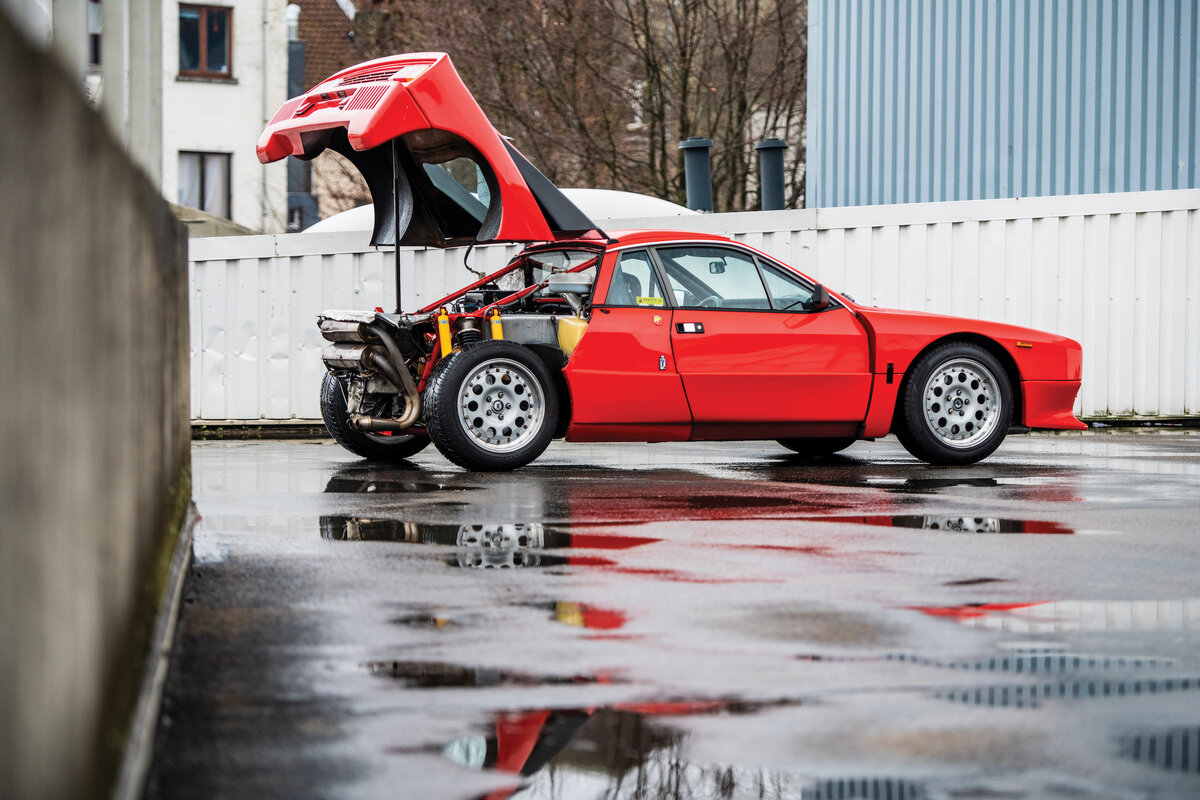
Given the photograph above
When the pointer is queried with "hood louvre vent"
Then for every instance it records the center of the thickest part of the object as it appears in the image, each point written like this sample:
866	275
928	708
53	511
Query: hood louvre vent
367	97
369	77
286	110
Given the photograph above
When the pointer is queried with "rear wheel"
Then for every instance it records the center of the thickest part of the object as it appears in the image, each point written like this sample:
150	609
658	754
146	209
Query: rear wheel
376	446
817	447
493	407
958	405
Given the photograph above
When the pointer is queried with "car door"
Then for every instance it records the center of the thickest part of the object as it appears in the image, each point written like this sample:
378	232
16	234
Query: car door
622	373
751	348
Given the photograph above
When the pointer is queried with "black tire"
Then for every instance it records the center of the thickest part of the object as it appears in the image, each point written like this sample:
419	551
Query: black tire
375	446
486	374
957	405
814	448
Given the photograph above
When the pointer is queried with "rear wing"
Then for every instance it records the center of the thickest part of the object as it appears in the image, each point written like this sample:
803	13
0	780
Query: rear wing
438	171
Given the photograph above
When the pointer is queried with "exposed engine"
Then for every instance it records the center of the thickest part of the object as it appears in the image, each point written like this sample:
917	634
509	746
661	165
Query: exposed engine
384	361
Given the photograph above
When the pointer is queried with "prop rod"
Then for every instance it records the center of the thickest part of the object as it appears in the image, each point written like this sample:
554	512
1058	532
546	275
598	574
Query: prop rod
396	218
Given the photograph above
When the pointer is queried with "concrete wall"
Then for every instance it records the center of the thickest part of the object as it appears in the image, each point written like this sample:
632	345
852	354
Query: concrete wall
95	469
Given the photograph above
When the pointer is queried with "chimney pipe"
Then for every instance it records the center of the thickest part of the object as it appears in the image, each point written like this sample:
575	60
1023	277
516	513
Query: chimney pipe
770	173
697	172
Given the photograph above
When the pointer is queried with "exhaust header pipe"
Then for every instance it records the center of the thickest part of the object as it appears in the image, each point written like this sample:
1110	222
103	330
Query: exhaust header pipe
367	357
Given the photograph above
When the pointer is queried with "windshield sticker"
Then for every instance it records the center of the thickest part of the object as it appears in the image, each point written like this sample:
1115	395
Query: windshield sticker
649	301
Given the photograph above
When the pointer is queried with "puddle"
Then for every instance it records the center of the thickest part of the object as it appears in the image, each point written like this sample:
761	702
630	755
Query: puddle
1053	616
437	620
436	675
1031	487
867	789
975	581
1033	696
613	750
507	546
922	485
653	501
1042	662
1173	750
953	523
485	546
587	616
715	502
349	485
632	751
1034	662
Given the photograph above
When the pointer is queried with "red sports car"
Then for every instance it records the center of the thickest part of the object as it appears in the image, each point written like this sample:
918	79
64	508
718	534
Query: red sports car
621	336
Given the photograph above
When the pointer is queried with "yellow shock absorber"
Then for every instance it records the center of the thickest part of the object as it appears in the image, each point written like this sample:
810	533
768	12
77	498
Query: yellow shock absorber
443	327
497	328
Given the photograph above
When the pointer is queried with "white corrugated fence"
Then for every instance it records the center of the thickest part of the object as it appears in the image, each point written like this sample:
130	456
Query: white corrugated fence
1118	272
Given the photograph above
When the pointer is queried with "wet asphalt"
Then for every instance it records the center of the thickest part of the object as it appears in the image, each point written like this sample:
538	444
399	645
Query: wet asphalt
691	621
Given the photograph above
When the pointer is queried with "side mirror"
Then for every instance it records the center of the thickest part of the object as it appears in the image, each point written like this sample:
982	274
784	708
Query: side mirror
820	297
716	267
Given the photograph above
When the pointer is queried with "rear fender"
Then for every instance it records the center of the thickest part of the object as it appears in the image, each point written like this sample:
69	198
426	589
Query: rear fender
554	360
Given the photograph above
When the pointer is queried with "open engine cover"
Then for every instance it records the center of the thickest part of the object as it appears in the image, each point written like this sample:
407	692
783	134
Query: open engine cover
431	158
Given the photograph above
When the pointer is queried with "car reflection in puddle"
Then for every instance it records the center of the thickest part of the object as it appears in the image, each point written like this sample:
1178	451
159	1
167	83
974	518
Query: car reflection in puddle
485	546
372	480
953	524
437	675
604	751
1173	749
1036	695
631	751
604	497
600	622
615	751
1073	615
1036	484
1031	661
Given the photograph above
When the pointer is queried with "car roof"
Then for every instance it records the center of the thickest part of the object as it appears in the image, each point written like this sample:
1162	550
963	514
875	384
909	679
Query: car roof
627	238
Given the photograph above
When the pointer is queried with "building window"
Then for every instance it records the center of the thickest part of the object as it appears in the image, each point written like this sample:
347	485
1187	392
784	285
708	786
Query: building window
204	182
205	41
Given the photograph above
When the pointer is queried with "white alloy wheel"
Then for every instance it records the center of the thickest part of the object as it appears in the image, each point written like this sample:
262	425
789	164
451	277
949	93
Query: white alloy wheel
501	405
961	403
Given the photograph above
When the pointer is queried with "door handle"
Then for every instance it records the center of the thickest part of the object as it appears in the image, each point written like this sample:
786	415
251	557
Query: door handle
689	327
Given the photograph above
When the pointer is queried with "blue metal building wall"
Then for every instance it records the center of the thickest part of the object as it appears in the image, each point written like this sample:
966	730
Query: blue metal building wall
927	100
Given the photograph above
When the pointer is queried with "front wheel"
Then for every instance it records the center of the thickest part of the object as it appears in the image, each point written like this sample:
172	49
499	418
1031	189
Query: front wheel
376	446
493	407
957	405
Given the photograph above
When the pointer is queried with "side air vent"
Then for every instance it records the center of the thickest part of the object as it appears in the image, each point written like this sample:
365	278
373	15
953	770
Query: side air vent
369	77
286	110
366	97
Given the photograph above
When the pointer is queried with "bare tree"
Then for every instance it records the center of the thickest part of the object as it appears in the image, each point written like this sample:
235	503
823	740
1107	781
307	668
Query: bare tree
599	92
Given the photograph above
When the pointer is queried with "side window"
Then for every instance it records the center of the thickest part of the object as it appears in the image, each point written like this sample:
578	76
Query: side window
787	291
713	277
463	184
634	282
